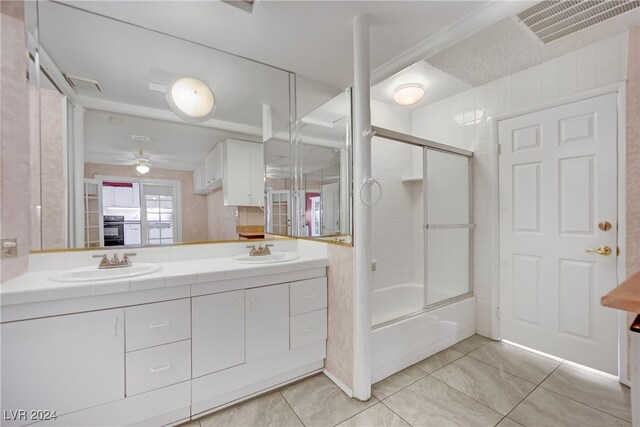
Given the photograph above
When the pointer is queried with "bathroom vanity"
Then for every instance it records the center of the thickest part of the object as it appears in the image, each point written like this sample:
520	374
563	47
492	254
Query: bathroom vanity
159	348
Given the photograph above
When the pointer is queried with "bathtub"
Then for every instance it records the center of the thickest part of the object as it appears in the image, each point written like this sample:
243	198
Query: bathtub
396	301
397	345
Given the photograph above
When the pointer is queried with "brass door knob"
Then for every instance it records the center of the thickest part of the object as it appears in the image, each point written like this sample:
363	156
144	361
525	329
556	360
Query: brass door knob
602	250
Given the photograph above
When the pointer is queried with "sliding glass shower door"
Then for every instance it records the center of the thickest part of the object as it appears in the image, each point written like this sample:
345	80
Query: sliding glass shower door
422	226
448	225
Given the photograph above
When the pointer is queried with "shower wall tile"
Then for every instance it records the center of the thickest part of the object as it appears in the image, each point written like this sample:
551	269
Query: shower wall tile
566	75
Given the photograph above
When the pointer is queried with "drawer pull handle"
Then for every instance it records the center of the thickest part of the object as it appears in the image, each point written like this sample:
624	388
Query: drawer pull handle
310	296
158	325
309	329
160	368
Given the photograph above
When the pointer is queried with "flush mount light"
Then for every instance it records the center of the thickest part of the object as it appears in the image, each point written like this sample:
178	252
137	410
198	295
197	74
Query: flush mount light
190	99
408	94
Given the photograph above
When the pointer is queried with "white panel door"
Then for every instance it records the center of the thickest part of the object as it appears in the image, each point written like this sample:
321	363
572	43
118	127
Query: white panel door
63	363
217	329
267	321
558	175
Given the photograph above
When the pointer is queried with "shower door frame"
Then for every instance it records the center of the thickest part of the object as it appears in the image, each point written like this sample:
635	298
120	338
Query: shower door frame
426	144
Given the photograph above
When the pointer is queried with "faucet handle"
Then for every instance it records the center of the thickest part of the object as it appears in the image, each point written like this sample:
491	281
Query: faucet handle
114	259
125	258
99	256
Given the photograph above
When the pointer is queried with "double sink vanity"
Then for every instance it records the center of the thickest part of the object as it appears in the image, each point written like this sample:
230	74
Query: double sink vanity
183	332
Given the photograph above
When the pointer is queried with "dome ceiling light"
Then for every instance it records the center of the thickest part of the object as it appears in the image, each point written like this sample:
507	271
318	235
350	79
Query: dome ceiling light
409	94
142	163
191	99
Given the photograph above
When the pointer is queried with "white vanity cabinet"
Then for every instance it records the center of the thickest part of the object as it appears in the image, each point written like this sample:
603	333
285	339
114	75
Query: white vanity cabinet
267	321
63	363
165	354
243	181
218	332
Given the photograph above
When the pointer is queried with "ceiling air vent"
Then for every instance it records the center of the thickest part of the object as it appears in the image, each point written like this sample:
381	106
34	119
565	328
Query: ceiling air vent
553	20
82	84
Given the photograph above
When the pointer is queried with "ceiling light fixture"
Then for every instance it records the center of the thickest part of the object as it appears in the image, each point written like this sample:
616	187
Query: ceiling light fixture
408	94
191	99
142	163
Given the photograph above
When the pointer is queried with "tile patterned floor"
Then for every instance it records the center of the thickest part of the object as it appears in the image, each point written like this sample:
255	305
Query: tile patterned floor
476	382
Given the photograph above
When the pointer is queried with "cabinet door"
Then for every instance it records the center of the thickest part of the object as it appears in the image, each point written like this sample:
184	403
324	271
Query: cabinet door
123	197
217	332
267	321
257	175
107	196
63	363
198	179
237	173
132	235
213	165
135	196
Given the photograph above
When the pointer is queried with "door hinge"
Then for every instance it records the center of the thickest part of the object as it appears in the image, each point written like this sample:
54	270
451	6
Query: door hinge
498	313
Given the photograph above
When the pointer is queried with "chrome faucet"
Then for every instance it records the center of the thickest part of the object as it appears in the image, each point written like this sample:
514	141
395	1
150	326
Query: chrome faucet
260	251
114	262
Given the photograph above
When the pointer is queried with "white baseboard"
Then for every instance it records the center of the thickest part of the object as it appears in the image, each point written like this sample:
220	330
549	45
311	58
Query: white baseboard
347	390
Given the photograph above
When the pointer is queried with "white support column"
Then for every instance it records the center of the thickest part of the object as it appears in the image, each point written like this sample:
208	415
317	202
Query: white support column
362	213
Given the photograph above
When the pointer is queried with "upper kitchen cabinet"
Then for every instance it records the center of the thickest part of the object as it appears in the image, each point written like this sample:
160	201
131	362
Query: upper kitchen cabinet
243	180
125	195
208	175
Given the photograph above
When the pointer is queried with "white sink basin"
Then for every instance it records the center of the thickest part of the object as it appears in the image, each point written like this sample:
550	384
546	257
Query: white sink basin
274	258
92	274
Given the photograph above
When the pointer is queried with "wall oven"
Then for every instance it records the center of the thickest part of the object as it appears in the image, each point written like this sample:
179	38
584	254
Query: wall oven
113	230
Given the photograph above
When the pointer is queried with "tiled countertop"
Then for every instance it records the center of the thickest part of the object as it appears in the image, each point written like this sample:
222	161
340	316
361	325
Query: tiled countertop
626	296
37	287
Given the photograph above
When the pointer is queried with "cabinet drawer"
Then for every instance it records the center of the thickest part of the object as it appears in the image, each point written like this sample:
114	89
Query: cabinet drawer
157	367
308	295
160	323
308	328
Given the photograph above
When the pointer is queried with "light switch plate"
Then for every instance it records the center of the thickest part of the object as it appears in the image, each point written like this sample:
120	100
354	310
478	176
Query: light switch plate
9	248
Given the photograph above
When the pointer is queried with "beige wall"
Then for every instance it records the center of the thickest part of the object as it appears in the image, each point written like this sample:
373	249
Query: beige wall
194	206
633	165
14	151
633	153
339	360
48	228
221	219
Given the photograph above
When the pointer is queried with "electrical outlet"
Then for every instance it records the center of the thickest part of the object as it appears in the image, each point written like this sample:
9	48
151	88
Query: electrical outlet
9	248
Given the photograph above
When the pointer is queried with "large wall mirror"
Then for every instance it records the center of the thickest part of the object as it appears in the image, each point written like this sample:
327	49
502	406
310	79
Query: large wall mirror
308	183
149	139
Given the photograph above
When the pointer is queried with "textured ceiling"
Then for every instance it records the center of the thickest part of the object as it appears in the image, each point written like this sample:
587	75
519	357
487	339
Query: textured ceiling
508	46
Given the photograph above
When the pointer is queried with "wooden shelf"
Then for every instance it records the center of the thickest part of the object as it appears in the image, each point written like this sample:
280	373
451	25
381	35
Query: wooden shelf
625	296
